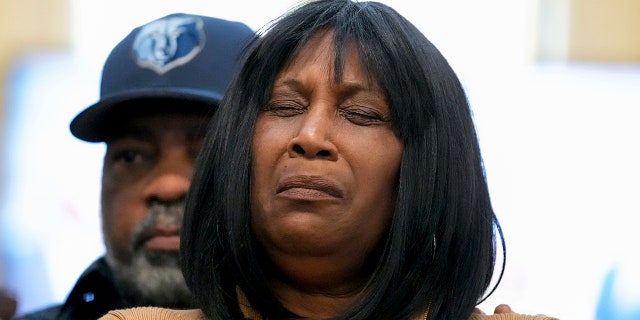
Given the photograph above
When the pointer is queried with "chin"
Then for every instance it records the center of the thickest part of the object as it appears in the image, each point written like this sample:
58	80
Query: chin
152	279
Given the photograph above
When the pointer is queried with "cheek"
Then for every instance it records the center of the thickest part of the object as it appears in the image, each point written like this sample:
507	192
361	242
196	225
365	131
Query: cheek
383	179
388	164
378	171
122	210
378	154
268	145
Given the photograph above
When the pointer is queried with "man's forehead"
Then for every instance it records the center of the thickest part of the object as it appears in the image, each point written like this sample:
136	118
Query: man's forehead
153	125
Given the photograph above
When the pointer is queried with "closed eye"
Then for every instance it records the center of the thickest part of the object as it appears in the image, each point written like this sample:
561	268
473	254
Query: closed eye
285	108
363	116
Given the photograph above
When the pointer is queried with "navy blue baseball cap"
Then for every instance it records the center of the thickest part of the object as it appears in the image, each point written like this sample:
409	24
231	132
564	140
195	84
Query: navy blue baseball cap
181	60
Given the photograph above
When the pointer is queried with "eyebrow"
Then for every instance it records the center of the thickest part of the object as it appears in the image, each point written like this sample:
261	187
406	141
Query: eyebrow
290	83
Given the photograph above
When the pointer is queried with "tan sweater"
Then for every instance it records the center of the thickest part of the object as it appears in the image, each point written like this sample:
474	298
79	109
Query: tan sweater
153	313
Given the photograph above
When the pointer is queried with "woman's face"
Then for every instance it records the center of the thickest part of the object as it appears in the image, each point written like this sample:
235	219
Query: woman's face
325	162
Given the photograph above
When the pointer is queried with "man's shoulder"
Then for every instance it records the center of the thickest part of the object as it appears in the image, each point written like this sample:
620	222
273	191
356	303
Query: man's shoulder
93	295
48	313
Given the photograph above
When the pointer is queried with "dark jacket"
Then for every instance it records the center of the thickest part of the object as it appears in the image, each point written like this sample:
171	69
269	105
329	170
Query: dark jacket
93	295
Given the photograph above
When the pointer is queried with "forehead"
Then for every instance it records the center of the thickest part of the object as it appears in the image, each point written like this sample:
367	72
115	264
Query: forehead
154	125
341	62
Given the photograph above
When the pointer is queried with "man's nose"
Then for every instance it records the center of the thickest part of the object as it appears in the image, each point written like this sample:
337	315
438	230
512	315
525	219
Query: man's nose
171	177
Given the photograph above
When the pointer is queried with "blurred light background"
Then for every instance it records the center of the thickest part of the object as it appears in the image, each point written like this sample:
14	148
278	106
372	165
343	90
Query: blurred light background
555	90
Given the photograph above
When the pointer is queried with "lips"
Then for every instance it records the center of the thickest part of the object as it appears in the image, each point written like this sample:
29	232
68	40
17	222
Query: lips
166	238
310	185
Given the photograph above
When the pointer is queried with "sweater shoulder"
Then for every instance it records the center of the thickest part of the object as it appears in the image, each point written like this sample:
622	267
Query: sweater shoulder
510	316
153	313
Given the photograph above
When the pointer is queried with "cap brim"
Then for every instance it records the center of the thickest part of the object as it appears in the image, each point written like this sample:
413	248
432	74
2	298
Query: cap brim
92	124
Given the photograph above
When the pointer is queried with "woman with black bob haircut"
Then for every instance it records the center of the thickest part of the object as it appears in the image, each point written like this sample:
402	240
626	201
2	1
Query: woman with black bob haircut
341	178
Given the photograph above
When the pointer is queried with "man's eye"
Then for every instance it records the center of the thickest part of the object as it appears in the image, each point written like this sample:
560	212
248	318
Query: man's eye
128	156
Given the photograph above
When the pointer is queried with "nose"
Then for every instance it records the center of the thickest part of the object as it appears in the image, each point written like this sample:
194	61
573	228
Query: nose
170	178
314	136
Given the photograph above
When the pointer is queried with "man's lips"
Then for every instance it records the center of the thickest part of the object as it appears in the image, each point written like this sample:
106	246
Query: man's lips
163	239
311	186
163	243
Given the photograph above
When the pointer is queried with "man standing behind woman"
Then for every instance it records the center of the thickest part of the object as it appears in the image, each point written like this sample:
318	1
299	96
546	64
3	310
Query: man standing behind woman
160	86
8	304
341	179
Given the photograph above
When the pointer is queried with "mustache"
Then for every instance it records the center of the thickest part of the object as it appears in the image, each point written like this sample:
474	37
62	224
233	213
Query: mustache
161	219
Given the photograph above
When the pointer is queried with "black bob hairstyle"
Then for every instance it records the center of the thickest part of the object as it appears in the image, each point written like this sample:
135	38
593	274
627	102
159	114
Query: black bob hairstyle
440	250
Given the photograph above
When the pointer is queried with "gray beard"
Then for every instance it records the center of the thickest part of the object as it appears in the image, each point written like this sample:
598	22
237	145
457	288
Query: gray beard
152	278
143	283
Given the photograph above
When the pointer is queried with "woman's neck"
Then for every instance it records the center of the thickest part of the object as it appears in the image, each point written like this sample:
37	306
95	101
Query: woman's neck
316	303
319	286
